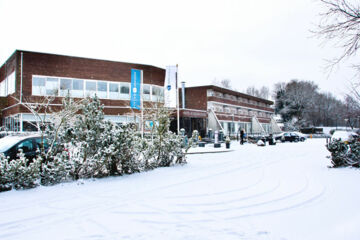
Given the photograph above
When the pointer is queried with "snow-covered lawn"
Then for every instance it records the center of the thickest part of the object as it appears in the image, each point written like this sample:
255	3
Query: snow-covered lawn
274	192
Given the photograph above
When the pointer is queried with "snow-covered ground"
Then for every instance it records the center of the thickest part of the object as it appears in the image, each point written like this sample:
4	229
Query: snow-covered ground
274	192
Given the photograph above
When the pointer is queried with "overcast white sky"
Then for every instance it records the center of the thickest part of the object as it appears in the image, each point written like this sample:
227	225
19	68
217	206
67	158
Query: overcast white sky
252	43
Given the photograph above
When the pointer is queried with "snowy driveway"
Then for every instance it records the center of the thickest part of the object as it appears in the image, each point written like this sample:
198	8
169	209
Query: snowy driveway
274	192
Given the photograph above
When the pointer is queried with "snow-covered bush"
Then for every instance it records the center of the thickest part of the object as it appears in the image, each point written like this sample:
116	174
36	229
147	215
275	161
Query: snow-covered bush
57	170
129	145
95	147
343	154
57	163
5	177
167	145
82	144
22	173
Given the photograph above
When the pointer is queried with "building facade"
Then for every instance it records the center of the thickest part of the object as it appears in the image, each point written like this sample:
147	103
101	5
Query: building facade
28	77
223	109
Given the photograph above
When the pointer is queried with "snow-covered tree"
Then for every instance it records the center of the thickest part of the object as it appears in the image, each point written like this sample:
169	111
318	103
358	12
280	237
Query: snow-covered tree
294	100
5	175
23	173
167	148
86	139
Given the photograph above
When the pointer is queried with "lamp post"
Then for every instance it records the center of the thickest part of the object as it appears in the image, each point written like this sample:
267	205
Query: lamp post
233	124
346	121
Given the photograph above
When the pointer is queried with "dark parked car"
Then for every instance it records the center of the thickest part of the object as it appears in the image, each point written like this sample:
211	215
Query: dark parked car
302	137
287	137
10	146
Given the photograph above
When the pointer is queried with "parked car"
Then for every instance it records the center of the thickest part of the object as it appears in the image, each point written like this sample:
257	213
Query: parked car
287	137
344	136
302	137
10	145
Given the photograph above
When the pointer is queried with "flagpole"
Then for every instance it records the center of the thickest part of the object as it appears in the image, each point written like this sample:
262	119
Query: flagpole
177	101
142	106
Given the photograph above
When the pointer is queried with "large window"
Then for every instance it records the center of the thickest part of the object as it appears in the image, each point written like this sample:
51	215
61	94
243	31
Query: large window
90	88
102	89
157	94
38	86
146	92
52	86
114	91
11	83
65	86
3	88
77	88
124	91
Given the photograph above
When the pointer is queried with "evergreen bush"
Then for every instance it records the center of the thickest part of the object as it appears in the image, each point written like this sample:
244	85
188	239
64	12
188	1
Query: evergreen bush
82	144
343	155
5	177
23	173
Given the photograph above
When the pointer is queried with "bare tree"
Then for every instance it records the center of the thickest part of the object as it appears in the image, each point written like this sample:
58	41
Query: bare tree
40	109
252	91
341	23
225	83
352	112
263	92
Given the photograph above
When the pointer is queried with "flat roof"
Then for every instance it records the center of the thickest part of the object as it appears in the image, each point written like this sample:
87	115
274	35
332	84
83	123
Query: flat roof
233	92
88	58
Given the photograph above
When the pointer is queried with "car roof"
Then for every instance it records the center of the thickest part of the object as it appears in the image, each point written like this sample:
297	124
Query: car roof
9	141
19	138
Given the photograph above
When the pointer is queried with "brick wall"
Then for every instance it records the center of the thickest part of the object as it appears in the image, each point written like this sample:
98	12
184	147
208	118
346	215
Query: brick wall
84	68
195	98
72	67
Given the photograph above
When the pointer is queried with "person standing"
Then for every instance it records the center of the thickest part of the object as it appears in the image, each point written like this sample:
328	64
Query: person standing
242	136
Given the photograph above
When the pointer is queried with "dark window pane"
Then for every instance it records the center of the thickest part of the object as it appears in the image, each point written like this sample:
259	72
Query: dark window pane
125	89
146	89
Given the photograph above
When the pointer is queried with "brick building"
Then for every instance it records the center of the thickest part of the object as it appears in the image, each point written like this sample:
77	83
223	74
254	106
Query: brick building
223	109
29	76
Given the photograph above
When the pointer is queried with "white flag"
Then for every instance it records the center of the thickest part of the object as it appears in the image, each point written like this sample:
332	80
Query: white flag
170	87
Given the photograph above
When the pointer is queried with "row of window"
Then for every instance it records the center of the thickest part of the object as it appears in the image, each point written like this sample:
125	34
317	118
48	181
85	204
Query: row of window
235	127
27	121
212	93
7	86
79	88
241	111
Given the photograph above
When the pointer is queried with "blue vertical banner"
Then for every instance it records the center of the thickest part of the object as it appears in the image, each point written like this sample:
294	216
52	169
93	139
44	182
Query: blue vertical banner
135	91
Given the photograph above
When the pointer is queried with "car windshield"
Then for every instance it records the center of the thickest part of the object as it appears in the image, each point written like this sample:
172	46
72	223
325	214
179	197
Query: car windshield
7	142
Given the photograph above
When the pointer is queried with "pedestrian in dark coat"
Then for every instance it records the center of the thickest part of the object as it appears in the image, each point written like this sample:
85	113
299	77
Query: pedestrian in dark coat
242	136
